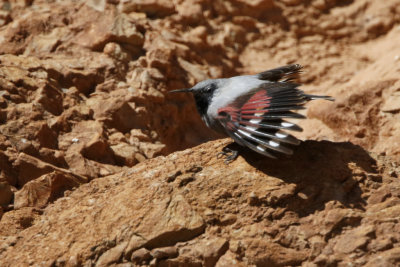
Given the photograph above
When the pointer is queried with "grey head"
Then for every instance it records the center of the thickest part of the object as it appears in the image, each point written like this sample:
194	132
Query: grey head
203	93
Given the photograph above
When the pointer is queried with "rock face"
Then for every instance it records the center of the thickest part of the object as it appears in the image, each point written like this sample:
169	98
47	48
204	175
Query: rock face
83	95
190	208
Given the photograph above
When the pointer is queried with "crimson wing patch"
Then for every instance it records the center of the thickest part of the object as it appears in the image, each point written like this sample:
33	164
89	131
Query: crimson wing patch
258	120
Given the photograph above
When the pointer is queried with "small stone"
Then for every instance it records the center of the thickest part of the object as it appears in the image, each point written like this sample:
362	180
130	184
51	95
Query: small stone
73	261
139	157
153	263
141	255
31	168
46	189
164	253
228	219
228	259
125	154
392	103
213	250
116	138
355	239
134	244
321	260
98	149
151	150
380	244
112	255
380	195
319	4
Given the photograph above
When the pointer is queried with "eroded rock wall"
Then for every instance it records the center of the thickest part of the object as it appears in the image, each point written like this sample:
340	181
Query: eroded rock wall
83	95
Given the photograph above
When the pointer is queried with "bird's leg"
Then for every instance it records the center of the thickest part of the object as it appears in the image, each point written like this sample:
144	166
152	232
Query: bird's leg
230	154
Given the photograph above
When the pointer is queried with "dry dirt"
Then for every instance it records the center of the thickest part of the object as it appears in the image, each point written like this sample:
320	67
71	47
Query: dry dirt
93	170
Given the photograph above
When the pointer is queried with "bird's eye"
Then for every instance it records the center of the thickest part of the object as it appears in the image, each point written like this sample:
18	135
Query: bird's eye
209	88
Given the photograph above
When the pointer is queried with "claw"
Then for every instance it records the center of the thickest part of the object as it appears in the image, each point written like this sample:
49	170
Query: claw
230	154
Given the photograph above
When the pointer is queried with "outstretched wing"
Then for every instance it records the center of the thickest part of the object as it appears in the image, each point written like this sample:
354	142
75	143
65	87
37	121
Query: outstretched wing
284	73
257	120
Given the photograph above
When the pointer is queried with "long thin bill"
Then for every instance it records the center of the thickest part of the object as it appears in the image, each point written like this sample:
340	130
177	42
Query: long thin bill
186	90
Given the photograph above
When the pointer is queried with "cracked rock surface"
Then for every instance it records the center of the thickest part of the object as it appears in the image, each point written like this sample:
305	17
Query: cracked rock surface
99	166
251	212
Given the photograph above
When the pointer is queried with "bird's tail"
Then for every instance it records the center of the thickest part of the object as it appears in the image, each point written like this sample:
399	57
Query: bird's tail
325	97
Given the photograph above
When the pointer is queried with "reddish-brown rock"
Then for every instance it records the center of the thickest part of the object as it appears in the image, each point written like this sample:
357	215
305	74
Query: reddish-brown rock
109	219
141	256
46	189
83	95
6	194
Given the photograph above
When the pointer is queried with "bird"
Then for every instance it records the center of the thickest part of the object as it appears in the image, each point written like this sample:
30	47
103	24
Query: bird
253	109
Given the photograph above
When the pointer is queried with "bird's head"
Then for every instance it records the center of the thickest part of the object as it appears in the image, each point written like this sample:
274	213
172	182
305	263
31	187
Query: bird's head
202	88
203	93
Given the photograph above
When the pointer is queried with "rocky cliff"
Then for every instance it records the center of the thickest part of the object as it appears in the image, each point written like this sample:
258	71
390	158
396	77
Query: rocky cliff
99	166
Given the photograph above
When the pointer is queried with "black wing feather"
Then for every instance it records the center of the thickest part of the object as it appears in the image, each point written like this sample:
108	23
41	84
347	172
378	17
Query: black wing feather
286	73
256	119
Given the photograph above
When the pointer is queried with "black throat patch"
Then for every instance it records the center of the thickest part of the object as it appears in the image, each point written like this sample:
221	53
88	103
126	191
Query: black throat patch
203	98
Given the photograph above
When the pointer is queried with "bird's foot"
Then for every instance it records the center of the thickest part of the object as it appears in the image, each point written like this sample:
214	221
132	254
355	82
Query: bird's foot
230	154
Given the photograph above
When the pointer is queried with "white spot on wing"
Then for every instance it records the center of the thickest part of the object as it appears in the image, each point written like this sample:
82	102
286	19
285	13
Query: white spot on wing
251	127
244	133
281	134
261	148
273	143
253	121
287	124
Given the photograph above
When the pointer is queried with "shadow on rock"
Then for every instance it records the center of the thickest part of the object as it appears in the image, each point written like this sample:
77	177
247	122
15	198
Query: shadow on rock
322	171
